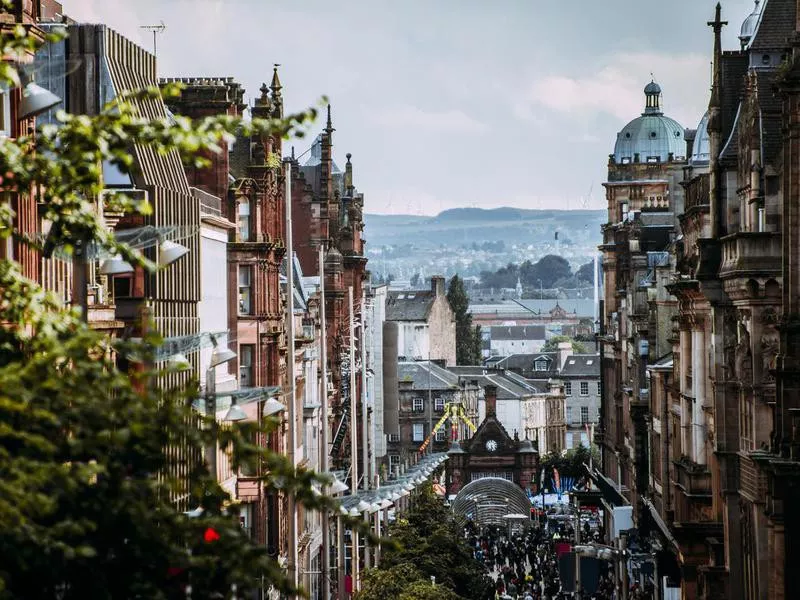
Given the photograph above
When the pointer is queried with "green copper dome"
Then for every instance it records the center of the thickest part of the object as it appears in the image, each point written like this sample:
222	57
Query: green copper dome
653	137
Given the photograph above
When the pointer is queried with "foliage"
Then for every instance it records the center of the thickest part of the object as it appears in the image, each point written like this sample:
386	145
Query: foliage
468	340
551	345
428	543
545	273
570	463
87	474
585	273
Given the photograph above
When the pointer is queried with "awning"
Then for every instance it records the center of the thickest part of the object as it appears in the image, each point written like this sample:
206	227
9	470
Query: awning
662	526
609	489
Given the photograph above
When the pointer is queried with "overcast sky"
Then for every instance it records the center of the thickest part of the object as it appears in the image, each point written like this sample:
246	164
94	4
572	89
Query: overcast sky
447	103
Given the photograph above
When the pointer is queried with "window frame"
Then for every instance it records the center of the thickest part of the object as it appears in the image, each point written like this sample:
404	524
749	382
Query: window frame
568	388
246	359
414	406
415	428
584	388
438	404
240	308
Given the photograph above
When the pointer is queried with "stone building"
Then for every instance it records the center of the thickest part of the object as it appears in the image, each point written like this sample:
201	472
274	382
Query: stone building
707	456
425	321
492	452
580	375
425	390
327	212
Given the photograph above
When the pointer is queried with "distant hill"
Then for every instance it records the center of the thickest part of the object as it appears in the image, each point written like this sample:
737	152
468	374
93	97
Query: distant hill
466	225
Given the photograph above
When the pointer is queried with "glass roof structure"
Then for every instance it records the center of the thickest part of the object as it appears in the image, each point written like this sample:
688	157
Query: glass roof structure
491	501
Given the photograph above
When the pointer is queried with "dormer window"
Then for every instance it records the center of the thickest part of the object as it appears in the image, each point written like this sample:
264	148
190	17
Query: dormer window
540	365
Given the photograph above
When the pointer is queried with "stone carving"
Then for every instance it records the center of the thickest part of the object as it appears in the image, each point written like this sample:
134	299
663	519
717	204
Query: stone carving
744	356
770	316
770	345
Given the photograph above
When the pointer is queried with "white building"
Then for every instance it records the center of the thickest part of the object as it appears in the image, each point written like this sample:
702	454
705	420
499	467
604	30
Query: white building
376	315
505	340
426	324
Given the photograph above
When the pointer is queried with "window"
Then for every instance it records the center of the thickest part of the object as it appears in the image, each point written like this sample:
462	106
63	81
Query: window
568	388
245	292
441	435
394	437
418	433
584	388
246	352
569	414
394	459
599	388
540	365
584	415
438	404
244	220
5	114
418	405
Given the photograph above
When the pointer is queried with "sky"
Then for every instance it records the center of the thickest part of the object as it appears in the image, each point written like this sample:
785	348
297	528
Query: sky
450	103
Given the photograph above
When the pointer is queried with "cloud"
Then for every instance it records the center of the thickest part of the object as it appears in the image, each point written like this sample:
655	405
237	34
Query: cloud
403	116
616	88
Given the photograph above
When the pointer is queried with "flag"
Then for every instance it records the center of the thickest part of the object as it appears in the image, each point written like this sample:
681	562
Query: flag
557	480
541	481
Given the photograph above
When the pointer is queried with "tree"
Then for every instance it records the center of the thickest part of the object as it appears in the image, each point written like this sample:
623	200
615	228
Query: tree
427	542
549	269
551	345
585	273
465	334
85	445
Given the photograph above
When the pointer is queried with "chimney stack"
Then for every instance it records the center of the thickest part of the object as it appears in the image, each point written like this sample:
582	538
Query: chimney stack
490	395
564	350
437	285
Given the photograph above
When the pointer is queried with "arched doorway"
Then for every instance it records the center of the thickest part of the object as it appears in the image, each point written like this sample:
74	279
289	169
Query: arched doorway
489	500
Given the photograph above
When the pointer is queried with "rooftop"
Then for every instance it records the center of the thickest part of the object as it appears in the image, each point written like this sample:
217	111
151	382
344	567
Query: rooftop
582	365
426	375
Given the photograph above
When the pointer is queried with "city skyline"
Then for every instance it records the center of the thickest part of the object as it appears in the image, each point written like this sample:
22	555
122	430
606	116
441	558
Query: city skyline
419	93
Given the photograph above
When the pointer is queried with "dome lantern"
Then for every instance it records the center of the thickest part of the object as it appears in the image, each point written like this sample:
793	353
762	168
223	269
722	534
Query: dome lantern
749	25
652	92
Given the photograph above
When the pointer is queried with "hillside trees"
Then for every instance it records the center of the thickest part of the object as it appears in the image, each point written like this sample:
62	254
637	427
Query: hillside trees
551	345
86	447
468	338
545	273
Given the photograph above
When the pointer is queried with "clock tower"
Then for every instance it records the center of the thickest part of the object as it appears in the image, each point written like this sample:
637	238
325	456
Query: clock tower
492	452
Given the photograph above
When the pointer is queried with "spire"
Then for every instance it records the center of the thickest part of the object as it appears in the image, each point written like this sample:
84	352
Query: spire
275	86
717	24
348	176
329	124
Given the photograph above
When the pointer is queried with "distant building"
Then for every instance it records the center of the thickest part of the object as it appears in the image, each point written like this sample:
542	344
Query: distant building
514	339
512	394
426	323
425	389
581	378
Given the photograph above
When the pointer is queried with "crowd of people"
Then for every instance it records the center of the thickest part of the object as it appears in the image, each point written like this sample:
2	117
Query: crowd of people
524	562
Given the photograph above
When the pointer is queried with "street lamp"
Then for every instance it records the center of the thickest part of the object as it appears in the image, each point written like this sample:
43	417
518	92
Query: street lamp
219	356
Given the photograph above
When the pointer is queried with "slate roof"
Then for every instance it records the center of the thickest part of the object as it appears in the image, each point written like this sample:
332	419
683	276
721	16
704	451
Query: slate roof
410	305
582	365
771	115
776	25
506	388
517	332
426	375
524	364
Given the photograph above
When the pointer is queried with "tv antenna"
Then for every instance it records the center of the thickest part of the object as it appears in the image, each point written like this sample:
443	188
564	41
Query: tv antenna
155	29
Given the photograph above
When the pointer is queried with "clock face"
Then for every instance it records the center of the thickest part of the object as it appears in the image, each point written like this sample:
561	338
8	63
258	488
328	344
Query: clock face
491	445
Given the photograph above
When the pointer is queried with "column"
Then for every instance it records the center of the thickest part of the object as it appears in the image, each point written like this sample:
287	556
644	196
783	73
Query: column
699	377
686	359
